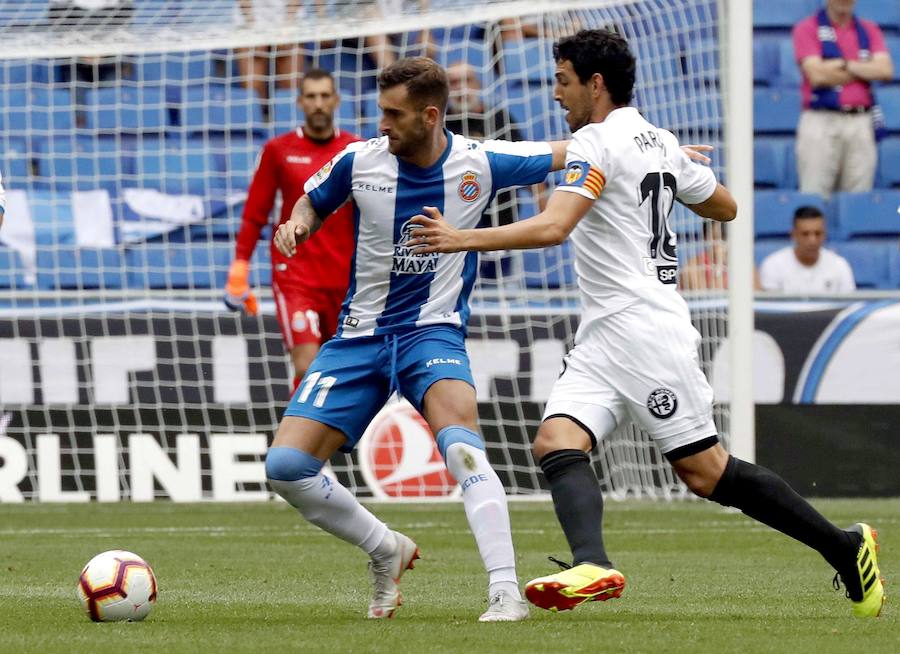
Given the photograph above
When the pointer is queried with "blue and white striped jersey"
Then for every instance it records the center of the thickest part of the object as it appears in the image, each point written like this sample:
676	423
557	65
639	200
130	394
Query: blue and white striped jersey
392	288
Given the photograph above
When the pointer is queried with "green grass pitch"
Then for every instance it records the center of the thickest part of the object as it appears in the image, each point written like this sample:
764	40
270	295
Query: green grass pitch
256	578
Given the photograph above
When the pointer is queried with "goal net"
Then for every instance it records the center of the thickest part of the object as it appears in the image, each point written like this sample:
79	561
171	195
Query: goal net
128	136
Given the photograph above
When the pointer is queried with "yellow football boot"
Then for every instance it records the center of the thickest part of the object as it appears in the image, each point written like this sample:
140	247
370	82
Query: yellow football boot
567	589
867	602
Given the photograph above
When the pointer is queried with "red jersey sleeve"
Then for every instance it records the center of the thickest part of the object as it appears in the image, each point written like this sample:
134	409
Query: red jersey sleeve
260	200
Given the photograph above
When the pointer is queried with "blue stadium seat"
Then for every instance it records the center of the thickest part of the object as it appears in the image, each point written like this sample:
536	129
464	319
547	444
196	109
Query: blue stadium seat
371	115
781	14
472	52
176	171
179	265
773	211
37	109
286	115
894	266
770	163
870	261
888	163
765	60
10	268
893	46
80	163
51	214
550	267
240	163
15	162
789	74
884	12
762	249
867	214
701	60
775	110
174	67
217	108
529	60
137	108
72	267
23	73
347	116
889	100
261	265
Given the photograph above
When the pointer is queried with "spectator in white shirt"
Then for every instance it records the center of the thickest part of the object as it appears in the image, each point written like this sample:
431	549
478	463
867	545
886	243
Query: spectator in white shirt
807	267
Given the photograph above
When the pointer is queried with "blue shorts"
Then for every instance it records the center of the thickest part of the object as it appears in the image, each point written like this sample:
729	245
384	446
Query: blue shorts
351	378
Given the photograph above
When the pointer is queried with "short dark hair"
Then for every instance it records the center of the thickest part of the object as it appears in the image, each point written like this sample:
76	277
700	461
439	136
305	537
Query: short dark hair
316	73
600	51
425	81
807	211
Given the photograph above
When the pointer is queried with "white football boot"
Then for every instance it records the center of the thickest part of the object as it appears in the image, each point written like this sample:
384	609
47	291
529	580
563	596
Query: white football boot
503	608
386	577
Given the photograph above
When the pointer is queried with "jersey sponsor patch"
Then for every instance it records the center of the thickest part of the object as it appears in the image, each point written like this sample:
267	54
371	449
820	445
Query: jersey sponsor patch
469	188
580	173
408	261
662	403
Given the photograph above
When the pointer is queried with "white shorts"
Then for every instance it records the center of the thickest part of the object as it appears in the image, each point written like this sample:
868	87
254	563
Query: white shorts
640	363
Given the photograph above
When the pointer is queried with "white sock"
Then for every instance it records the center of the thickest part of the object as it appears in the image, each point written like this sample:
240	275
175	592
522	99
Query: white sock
330	506
486	510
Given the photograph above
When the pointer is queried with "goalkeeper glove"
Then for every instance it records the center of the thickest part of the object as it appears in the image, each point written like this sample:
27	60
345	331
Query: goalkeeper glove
238	295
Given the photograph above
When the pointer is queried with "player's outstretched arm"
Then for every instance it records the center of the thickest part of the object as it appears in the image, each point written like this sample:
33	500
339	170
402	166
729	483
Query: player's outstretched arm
550	227
302	224
719	206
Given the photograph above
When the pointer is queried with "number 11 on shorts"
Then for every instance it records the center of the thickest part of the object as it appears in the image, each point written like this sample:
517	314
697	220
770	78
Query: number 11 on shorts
324	384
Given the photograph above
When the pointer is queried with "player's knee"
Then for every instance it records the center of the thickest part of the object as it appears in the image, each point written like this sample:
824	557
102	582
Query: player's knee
552	440
291	464
456	434
701	485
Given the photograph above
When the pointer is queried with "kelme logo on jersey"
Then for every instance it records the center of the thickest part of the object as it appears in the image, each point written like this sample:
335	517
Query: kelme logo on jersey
398	456
662	403
469	188
407	260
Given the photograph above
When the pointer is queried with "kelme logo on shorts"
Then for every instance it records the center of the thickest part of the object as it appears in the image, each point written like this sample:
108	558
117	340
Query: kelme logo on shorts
662	403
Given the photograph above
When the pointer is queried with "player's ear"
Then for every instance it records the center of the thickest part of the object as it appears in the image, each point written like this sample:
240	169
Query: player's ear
432	115
597	84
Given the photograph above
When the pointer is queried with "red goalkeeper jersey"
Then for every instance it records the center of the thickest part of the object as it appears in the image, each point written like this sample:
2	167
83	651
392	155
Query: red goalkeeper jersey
287	161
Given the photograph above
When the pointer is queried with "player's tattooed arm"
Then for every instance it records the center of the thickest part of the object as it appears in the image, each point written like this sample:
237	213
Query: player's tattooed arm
302	224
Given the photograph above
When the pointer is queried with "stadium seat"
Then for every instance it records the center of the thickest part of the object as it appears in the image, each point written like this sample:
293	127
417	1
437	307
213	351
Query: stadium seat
135	108
549	268
781	14
789	74
866	214
72	267
893	46
888	163
218	108
178	171
240	160
23	73
884	12
10	268
286	115
174	67
773	211
762	249
371	115
775	111
179	265
35	111
889	100
261	265
701	60
894	266
15	162
870	261
528	59
51	215
769	163
765	60
80	163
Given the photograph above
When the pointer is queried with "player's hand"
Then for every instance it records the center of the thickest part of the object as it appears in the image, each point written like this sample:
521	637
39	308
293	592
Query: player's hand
434	234
238	296
695	152
288	235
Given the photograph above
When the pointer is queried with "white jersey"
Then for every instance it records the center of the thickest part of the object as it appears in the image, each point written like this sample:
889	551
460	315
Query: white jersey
392	287
624	246
782	271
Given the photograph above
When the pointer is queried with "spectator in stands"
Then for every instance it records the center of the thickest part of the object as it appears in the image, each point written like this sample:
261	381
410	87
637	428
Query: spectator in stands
708	270
840	55
254	63
309	287
807	267
84	17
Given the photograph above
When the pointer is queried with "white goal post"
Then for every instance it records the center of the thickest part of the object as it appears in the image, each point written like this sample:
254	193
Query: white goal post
127	139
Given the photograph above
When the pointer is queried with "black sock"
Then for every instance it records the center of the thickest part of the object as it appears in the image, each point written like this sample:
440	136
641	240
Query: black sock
764	496
578	503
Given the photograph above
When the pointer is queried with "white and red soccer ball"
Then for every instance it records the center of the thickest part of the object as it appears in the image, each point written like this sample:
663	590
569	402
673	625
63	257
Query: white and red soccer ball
116	586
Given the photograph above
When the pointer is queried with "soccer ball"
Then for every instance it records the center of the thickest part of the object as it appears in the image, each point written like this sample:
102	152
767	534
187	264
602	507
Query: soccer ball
117	585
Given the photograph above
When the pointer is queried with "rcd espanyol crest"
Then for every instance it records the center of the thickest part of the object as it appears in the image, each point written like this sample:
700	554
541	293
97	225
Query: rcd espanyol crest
398	456
469	188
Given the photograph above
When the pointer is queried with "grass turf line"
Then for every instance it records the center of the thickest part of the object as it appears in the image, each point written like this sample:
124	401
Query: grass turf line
255	577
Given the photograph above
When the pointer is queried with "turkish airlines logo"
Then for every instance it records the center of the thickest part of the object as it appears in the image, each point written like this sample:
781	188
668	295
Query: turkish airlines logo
399	457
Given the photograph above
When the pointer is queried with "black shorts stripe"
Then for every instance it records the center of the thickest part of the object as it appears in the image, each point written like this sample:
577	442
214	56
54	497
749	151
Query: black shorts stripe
577	422
692	448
